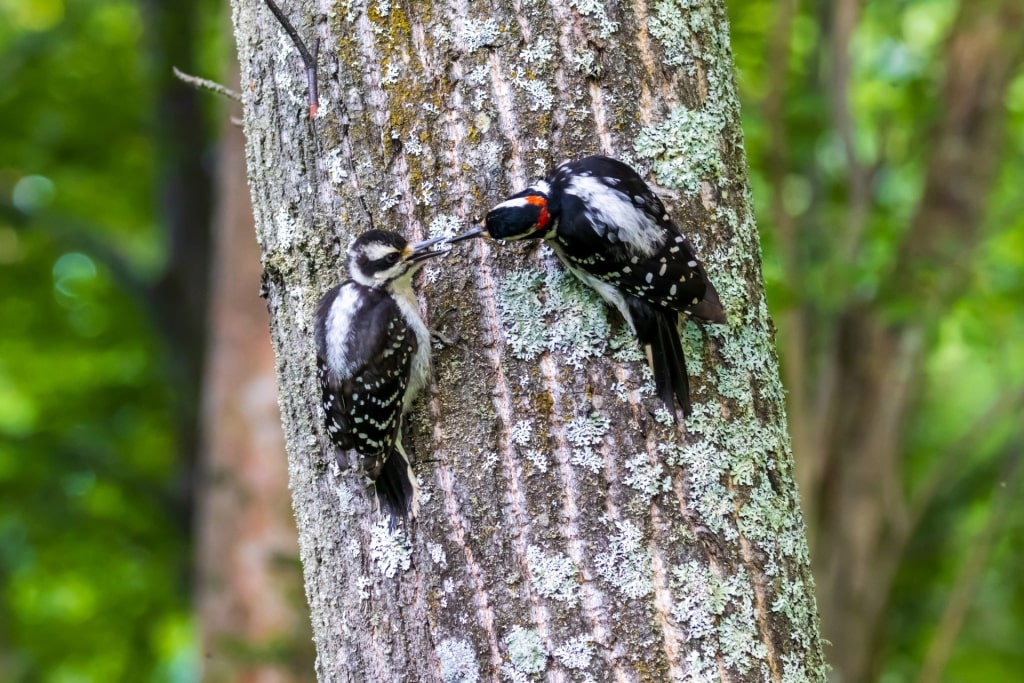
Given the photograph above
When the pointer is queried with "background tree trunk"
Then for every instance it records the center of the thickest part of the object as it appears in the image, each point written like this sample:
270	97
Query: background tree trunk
249	598
854	418
569	529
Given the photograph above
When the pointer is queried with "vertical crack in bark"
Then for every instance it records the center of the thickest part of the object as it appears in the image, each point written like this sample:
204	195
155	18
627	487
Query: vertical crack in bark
485	614
593	598
421	611
671	636
612	475
523	21
501	395
760	602
502	399
371	73
652	67
379	632
503	103
597	109
565	20
565	44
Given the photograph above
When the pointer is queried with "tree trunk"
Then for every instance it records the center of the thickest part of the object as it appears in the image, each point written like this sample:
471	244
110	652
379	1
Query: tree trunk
249	589
570	531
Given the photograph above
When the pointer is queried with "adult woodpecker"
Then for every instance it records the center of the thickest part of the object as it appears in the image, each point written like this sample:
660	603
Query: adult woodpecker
612	231
373	358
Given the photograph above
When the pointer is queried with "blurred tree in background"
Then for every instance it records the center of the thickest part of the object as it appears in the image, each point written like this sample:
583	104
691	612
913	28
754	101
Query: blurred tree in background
886	140
106	214
103	203
886	147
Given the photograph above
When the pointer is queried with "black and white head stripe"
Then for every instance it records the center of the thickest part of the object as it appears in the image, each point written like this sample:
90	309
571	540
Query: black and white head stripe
522	215
378	257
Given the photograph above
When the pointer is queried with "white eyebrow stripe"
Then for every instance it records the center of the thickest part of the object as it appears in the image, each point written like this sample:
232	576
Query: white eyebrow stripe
375	252
513	203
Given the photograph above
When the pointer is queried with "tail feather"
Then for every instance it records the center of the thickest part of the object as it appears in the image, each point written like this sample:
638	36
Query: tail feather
710	307
657	331
398	492
674	370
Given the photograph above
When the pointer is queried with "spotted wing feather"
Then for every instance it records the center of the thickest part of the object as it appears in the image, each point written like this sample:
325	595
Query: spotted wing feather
362	401
663	270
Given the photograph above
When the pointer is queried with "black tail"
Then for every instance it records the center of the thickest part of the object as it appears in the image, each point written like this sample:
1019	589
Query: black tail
398	492
658	332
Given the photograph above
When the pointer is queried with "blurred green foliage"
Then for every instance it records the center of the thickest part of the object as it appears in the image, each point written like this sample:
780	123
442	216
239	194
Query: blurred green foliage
94	549
974	357
94	553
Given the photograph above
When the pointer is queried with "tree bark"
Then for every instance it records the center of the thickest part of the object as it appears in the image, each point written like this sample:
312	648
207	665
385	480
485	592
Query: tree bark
570	531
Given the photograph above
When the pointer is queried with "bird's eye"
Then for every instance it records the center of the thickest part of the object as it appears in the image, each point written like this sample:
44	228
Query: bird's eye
392	258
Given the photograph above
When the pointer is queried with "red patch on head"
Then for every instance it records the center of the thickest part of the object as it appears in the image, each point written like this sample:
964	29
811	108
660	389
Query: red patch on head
542	204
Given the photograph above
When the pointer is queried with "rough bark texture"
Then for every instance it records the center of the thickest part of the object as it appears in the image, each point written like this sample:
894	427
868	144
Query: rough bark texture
570	531
249	588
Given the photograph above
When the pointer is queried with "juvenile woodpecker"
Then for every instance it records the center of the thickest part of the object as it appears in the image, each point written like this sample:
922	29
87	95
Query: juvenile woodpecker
612	231
373	357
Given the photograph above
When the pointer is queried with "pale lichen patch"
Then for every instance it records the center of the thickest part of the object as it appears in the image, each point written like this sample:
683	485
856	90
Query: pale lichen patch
684	148
521	432
538	458
646	478
553	575
457	661
390	549
438	555
719	612
539	53
526	652
595	9
585	433
551	310
626	565
576	653
444	225
476	34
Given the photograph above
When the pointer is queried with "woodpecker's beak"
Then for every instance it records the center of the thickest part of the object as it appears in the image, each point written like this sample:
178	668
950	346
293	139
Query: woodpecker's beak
468	235
421	251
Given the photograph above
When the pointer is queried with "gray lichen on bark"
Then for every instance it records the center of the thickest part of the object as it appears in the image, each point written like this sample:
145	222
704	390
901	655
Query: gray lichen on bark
570	530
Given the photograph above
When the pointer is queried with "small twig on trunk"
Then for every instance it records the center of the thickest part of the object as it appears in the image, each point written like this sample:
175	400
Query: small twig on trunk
203	84
308	58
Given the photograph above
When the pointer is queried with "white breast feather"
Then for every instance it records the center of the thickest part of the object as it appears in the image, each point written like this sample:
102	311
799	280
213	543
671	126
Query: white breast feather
339	322
608	292
607	206
410	308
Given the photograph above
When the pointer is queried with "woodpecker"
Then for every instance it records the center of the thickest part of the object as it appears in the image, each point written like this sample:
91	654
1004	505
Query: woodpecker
608	227
373	358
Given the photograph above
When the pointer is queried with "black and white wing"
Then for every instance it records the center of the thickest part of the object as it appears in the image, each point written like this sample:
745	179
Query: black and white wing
364	354
613	226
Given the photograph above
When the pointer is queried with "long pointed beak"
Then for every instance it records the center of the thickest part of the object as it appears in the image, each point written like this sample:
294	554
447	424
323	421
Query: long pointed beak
468	235
421	251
